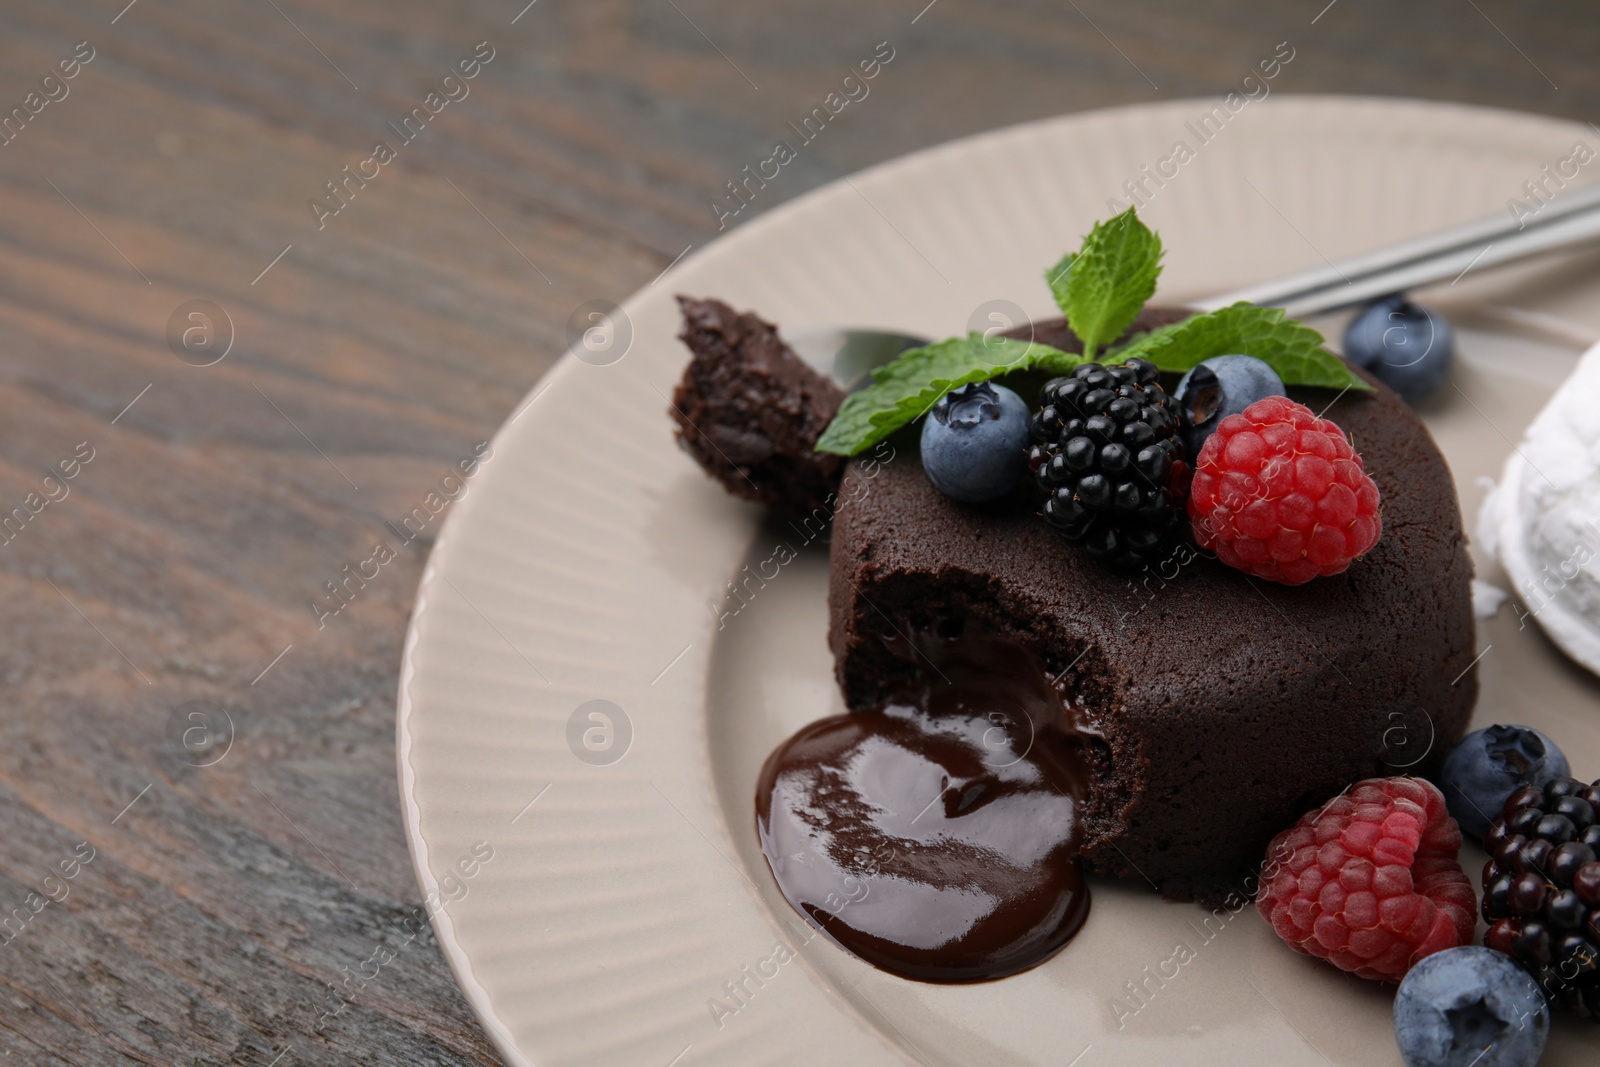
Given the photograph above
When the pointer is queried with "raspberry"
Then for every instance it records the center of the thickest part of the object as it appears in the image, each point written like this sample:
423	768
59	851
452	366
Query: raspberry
1280	494
1541	889
1370	882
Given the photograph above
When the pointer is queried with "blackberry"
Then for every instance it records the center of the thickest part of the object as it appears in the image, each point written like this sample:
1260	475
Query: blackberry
1107	456
1541	889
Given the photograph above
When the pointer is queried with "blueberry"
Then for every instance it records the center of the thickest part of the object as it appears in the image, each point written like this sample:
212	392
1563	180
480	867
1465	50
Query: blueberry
975	442
1219	387
1470	1006
1408	347
1489	765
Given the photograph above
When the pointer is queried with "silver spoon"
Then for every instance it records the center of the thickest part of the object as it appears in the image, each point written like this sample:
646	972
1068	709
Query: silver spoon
850	354
1562	222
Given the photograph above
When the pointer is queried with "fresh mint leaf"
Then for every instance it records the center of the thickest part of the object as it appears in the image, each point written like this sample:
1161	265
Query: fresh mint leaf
1103	286
1058	276
1101	289
1292	349
905	389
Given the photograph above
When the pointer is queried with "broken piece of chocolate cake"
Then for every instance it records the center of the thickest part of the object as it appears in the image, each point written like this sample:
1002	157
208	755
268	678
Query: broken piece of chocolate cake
749	410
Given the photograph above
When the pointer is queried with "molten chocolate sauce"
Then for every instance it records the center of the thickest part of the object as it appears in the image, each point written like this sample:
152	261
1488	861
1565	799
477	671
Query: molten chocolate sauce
937	837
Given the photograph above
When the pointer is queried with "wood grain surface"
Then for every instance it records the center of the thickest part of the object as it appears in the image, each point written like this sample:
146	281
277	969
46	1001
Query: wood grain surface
201	851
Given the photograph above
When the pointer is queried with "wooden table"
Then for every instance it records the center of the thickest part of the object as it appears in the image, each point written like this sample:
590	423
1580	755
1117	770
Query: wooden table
189	730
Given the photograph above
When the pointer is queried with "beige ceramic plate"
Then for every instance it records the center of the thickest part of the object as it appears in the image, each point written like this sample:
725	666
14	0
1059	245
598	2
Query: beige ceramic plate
624	914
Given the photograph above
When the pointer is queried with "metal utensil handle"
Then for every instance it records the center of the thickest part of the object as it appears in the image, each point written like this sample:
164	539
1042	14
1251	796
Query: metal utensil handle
1447	254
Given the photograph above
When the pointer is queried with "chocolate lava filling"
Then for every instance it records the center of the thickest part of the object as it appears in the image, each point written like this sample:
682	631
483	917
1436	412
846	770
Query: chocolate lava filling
937	837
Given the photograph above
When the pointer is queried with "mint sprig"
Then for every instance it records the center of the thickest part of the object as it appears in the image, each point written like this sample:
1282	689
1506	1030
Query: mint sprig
1291	348
1102	287
905	389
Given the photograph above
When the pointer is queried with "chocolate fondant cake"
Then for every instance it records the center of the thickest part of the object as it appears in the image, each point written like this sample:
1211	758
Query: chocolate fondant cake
1221	706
